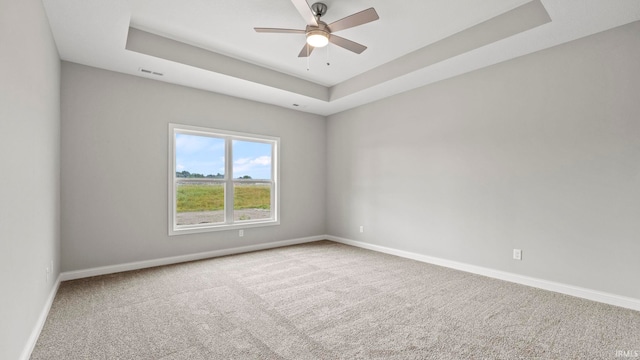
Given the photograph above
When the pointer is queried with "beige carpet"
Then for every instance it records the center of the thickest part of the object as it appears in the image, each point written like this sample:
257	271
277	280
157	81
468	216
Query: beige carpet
325	301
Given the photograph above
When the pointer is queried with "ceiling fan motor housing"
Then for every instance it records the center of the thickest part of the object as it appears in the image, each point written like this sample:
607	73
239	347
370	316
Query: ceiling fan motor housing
322	26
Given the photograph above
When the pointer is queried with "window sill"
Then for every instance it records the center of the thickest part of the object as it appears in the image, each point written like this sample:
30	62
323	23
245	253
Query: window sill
223	227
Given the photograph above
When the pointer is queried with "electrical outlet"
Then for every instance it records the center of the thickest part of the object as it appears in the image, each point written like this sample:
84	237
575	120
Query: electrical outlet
241	233
517	254
361	228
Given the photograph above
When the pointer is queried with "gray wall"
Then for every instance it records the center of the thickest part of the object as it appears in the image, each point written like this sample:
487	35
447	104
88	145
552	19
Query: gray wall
30	177
114	167
540	153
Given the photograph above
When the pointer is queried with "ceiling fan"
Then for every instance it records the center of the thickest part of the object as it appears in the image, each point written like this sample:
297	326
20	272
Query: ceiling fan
319	33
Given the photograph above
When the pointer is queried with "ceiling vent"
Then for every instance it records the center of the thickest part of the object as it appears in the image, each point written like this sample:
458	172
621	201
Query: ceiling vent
150	72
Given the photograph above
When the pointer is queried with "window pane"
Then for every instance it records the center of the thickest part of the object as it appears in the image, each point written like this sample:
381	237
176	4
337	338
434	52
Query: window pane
251	201
199	156
221	180
251	160
199	203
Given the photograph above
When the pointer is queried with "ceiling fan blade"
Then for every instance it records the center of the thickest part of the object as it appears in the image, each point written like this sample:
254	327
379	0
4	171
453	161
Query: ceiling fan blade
306	50
347	44
356	19
276	30
303	8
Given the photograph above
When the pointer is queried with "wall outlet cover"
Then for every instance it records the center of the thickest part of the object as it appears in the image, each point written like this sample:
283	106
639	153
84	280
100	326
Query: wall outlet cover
517	254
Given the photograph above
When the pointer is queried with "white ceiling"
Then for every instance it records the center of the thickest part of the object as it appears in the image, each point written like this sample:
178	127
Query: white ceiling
400	45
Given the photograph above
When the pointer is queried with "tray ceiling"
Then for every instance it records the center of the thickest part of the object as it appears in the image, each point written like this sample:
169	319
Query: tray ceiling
211	45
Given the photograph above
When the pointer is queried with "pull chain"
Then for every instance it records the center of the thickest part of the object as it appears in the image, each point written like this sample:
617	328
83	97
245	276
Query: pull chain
328	62
307	46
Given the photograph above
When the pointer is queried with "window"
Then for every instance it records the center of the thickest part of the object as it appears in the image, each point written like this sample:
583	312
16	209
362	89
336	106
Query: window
221	180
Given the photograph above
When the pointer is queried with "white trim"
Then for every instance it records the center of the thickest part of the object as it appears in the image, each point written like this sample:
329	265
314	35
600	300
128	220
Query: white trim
37	329
589	294
111	269
229	189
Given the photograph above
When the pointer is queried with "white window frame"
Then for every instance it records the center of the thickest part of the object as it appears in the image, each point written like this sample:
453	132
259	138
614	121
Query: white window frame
228	181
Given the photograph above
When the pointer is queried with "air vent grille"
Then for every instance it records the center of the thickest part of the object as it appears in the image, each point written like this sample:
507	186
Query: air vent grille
146	71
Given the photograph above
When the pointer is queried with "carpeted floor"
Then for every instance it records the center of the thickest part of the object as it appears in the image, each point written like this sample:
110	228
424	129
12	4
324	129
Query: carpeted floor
325	300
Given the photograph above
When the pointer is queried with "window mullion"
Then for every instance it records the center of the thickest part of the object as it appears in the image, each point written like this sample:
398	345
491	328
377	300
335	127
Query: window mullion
228	174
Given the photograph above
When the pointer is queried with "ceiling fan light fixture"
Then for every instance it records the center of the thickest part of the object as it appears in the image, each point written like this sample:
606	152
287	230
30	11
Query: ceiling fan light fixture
317	38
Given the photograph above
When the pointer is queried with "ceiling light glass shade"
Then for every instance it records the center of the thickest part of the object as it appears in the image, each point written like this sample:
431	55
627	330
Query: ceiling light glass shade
317	38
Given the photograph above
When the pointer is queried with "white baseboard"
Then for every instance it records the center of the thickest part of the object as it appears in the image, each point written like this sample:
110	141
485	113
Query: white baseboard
594	295
37	329
111	269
